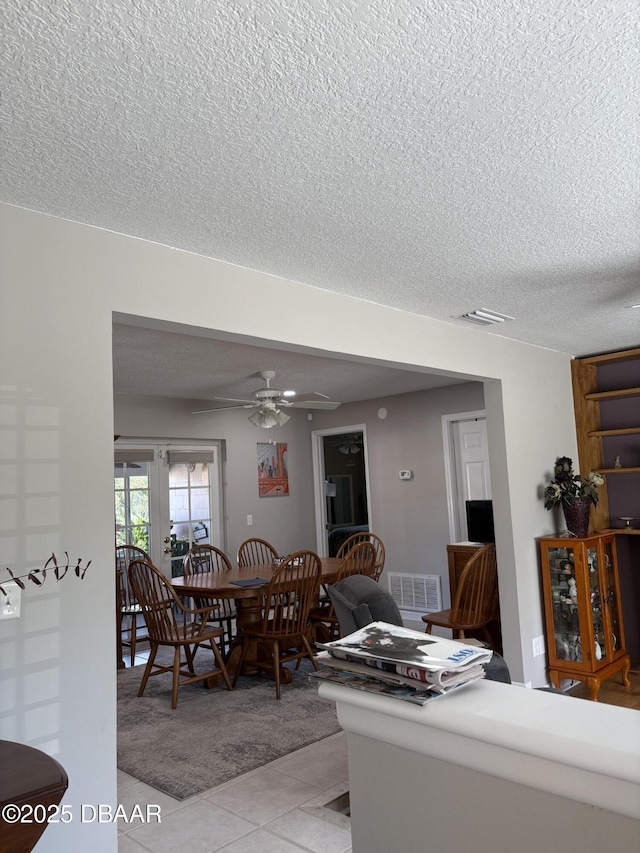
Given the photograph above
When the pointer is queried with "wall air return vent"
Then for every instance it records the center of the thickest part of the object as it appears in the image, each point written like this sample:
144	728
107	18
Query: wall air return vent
485	318
416	592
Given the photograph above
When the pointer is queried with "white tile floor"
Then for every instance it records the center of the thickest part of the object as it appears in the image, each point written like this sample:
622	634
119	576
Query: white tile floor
278	808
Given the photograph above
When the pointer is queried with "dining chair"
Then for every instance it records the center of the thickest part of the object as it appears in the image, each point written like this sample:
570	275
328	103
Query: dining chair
127	605
473	605
207	558
256	552
169	623
365	536
359	560
282	633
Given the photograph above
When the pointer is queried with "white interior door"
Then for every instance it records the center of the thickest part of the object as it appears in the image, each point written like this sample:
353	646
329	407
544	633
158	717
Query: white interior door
467	467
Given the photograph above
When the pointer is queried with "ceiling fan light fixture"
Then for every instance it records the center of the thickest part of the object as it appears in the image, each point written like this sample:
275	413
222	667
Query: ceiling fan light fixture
269	418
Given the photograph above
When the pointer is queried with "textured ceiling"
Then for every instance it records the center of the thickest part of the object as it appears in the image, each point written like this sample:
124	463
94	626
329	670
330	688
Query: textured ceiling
435	156
156	362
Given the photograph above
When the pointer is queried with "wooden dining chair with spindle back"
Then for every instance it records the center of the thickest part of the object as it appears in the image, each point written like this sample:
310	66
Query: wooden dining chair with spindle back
359	560
208	558
170	623
365	536
256	552
282	633
129	609
474	602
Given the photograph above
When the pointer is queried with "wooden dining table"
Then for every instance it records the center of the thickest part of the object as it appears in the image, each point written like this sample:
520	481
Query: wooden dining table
249	603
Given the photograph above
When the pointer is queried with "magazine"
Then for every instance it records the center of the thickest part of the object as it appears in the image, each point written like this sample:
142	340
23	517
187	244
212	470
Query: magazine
392	673
417	695
381	641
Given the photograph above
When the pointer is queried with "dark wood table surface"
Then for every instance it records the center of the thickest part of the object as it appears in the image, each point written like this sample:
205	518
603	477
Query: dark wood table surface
248	601
29	778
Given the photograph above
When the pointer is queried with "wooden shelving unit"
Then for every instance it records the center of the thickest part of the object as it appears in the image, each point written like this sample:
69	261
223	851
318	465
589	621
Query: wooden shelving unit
590	395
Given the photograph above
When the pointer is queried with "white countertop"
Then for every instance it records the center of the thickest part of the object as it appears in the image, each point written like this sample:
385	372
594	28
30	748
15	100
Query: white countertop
583	750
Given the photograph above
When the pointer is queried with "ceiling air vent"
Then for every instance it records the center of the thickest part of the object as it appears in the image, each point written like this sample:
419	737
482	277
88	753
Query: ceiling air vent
486	318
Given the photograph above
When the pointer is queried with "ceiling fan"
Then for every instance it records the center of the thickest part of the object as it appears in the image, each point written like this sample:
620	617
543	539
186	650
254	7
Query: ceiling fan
348	444
269	401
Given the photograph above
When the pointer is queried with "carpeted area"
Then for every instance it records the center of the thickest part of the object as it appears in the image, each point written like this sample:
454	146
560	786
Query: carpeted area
214	735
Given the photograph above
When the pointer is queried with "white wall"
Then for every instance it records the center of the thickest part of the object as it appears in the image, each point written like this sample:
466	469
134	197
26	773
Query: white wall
60	284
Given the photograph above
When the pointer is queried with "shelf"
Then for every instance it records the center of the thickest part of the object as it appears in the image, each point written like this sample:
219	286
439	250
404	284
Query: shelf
625	531
612	357
613	395
602	433
617	470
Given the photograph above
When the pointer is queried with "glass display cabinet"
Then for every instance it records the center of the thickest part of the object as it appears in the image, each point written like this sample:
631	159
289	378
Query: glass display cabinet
585	634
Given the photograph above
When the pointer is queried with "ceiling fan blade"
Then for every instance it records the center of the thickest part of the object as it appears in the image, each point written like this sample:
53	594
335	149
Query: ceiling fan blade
327	405
225	408
306	398
234	400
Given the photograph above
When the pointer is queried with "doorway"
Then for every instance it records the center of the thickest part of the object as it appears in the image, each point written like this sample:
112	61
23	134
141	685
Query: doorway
341	483
467	469
167	498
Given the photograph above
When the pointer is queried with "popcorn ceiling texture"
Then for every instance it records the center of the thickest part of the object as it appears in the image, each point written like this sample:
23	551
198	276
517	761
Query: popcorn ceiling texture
436	156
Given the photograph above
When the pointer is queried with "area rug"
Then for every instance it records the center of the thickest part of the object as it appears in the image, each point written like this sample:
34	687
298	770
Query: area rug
214	735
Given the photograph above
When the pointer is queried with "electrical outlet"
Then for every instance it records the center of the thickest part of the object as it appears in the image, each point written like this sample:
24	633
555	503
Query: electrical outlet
538	646
249	520
10	604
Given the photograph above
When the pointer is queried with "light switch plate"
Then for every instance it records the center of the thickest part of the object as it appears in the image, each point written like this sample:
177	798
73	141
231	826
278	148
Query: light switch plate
10	603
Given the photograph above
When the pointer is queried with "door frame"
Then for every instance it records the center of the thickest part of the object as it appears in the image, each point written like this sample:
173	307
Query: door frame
158	503
449	466
317	457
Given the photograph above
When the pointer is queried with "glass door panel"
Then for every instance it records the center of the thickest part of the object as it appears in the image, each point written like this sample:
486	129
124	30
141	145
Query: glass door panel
613	605
564	596
190	509
169	503
131	493
597	604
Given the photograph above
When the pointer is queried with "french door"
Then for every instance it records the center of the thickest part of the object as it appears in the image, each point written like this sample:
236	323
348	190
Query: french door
168	497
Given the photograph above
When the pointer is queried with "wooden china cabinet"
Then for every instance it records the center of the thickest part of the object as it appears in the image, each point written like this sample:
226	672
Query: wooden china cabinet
585	634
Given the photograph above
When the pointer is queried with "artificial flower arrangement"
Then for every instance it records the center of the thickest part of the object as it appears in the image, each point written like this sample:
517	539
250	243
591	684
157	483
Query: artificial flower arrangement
566	485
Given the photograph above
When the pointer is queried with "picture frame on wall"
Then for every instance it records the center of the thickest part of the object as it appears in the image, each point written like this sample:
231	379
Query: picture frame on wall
273	475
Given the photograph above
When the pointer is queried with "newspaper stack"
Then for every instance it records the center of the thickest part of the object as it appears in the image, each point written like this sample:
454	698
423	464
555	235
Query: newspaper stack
396	661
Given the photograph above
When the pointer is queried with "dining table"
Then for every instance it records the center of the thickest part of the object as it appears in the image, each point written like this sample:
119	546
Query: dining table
247	587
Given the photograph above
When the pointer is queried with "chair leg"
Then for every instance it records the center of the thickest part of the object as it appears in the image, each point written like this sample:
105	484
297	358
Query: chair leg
243	654
189	655
147	669
176	678
276	666
307	646
134	632
220	662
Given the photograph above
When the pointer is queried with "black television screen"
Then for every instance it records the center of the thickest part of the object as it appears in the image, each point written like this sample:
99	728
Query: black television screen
480	522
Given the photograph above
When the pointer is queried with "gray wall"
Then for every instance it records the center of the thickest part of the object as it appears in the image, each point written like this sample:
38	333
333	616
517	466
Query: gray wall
288	522
410	516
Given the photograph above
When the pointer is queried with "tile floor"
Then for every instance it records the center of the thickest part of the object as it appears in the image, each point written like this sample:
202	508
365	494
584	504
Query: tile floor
278	808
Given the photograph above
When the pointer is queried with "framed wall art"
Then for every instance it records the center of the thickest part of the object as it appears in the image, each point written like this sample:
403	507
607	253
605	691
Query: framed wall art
273	476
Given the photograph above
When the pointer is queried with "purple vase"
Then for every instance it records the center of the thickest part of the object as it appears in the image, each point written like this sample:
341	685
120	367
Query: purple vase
576	514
